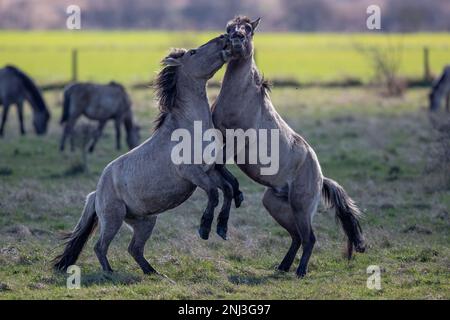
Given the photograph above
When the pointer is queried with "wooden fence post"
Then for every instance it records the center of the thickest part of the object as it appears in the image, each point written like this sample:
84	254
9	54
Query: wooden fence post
426	64
74	65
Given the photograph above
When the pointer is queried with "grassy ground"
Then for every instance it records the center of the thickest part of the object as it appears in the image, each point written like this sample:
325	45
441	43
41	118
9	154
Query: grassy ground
133	56
377	148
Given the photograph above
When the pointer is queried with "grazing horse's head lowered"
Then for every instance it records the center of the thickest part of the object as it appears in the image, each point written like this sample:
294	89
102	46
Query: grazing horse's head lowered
240	31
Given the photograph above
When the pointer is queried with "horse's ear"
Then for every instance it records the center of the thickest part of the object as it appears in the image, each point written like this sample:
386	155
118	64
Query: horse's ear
171	62
255	24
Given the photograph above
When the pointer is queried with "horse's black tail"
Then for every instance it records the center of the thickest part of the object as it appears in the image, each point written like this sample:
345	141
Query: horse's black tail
66	104
34	94
79	236
347	213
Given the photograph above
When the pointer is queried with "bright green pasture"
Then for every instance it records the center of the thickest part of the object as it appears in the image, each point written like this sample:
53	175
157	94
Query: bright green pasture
134	56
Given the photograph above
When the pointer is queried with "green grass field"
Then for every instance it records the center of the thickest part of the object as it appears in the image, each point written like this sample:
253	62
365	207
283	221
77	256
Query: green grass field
134	56
379	148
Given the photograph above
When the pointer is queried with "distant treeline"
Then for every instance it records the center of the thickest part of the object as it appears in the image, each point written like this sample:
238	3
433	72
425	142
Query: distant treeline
278	15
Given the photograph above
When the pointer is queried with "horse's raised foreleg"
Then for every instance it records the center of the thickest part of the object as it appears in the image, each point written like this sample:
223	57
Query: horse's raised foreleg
197	176
20	114
97	135
4	117
224	214
142	230
231	179
280	209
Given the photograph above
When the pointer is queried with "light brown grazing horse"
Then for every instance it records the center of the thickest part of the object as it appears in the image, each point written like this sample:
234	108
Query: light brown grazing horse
294	192
101	103
144	182
15	88
441	90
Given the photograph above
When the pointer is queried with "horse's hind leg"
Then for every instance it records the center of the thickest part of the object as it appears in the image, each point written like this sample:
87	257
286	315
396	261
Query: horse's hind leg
20	114
4	117
304	204
280	209
142	230
110	220
224	214
67	131
97	135
231	179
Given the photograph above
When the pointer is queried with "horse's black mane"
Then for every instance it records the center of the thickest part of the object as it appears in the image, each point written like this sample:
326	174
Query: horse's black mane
165	87
37	101
239	20
263	83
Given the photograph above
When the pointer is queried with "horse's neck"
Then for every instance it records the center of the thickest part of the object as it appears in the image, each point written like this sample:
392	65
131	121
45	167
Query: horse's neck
192	102
239	93
240	74
443	85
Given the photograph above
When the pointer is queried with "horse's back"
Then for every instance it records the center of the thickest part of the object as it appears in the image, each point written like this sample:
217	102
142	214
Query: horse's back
11	88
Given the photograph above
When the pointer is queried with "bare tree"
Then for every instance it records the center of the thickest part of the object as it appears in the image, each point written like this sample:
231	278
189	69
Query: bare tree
386	62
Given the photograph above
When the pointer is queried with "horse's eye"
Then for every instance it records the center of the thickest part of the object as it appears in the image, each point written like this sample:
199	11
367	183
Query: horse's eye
248	28
192	52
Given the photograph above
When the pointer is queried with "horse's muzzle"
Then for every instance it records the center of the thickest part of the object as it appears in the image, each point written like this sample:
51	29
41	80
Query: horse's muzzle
226	55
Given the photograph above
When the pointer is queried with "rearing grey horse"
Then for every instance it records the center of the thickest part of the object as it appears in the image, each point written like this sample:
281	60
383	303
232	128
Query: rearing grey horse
15	87
294	192
144	182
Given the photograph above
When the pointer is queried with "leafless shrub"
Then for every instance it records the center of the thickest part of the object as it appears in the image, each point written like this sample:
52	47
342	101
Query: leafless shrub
386	62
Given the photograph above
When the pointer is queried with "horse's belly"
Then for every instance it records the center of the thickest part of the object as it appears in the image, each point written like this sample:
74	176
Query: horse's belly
99	113
159	198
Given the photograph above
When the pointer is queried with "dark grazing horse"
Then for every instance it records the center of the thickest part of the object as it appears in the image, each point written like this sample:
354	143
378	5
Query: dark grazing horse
441	90
101	103
15	88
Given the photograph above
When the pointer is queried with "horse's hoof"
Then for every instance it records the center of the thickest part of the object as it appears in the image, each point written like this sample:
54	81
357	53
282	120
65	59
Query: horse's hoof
283	268
238	199
222	232
301	273
204	234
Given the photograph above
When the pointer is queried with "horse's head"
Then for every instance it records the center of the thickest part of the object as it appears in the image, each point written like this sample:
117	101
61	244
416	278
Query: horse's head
434	101
134	136
203	62
40	121
240	31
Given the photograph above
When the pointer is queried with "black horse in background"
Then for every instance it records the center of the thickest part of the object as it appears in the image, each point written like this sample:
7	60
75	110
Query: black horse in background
15	88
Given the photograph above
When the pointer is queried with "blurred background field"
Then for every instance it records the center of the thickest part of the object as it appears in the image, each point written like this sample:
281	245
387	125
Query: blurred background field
133	56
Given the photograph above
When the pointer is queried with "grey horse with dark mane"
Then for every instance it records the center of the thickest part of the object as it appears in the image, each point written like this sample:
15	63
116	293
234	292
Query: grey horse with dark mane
294	192
101	103
15	88
145	182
